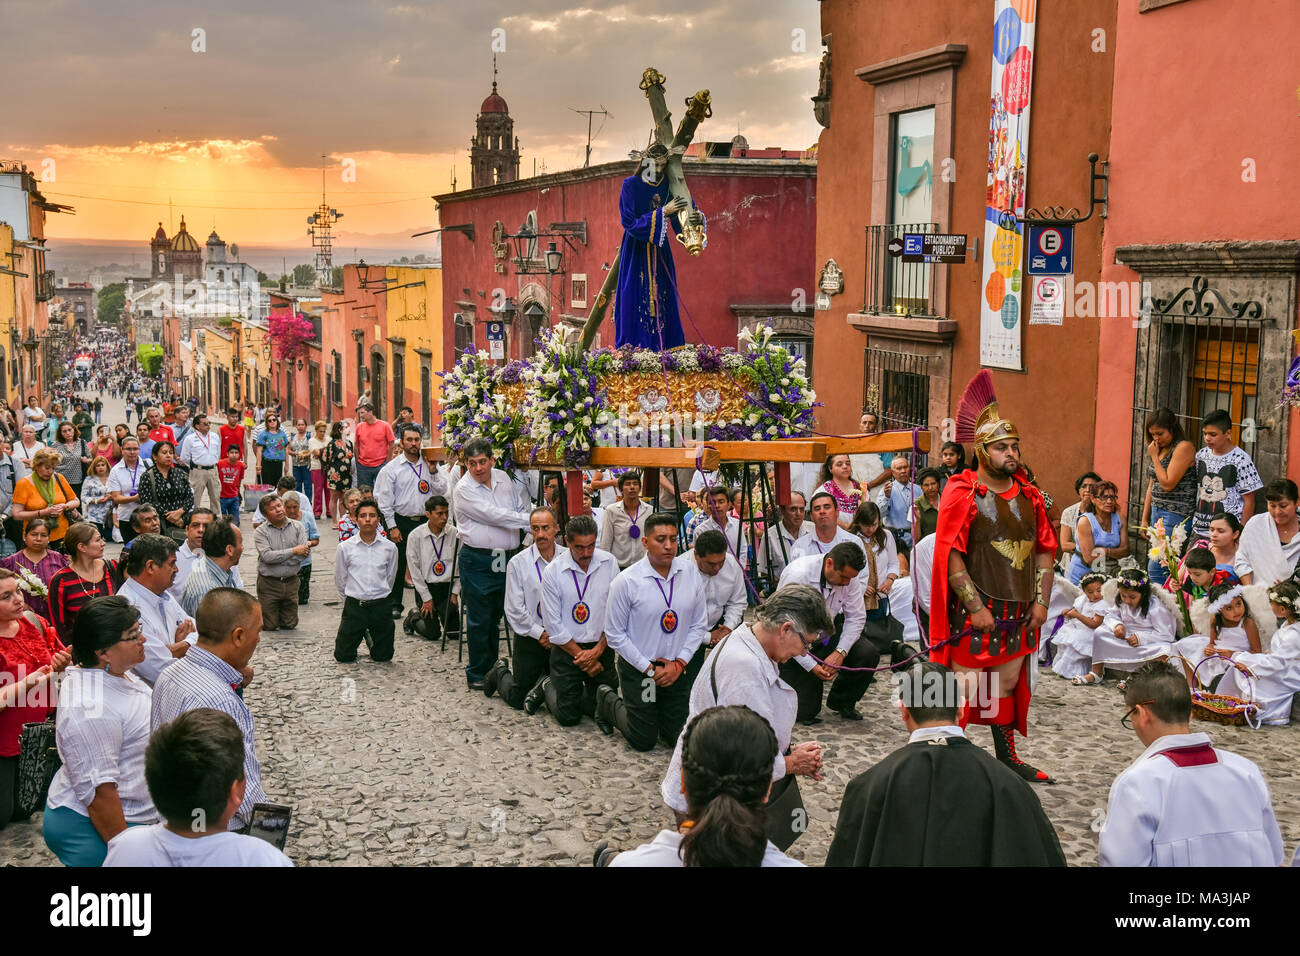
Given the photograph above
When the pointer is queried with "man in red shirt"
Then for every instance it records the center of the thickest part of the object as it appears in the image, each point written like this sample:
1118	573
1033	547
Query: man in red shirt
157	430
233	433
230	473
374	445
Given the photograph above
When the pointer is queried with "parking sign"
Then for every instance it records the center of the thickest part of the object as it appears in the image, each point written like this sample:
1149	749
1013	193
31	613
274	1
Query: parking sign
1051	250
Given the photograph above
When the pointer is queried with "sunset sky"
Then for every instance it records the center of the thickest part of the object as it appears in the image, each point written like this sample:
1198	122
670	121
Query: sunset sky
124	114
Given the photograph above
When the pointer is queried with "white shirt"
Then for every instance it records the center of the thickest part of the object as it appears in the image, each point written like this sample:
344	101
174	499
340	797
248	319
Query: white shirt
811	544
886	556
523	602
159	618
102	729
365	571
199	449
934	733
665	850
1214	810
734	532
703	479
126	481
561	583
185	561
638	601
922	563
724	592
745	676
615	532
157	846
848	598
397	488
769	548
424	550
488	516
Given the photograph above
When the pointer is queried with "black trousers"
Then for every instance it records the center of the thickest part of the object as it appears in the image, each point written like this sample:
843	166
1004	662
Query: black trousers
8	789
271	471
572	692
406	526
846	689
529	664
647	712
304	584
445	614
359	617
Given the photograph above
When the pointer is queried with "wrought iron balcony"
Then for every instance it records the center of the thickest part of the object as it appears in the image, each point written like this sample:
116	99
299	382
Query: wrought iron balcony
895	287
45	285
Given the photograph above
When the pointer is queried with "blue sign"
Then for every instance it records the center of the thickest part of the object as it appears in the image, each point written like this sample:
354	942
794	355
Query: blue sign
912	243
1051	250
496	332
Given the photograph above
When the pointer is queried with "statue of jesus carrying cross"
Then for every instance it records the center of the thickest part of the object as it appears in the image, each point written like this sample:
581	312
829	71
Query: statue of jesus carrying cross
651	203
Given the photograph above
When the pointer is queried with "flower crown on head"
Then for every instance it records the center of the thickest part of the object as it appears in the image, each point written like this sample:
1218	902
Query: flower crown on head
1092	577
1224	599
1278	598
1132	578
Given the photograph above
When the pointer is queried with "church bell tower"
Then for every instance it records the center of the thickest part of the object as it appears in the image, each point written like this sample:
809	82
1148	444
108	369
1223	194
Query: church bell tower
494	150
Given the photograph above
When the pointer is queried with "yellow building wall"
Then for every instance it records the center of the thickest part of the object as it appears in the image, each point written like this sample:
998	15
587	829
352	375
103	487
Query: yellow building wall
10	391
415	314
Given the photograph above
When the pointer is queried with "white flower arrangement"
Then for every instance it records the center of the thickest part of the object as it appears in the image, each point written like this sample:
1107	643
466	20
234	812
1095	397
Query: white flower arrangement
31	584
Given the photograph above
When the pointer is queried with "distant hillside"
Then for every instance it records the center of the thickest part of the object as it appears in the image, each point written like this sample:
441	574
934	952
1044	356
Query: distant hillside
114	259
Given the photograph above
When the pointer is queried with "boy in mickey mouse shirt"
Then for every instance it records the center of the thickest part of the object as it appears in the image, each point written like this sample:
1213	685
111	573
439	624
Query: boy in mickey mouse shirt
1225	476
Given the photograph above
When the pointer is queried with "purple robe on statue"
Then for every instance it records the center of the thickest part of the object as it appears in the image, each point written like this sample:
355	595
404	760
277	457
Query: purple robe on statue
645	263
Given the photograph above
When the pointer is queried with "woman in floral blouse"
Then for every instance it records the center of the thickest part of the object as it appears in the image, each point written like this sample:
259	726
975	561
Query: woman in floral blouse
837	480
336	459
166	486
36	564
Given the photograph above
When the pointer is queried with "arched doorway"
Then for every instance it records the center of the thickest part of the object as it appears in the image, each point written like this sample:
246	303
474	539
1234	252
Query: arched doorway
379	384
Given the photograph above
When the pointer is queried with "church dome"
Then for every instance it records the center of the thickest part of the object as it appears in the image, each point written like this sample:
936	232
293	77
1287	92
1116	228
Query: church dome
161	234
739	142
494	103
184	242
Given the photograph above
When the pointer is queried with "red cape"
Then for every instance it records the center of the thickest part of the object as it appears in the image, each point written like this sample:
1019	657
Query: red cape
956	511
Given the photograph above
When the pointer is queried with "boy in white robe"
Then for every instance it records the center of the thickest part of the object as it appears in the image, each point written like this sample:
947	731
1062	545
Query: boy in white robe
1184	802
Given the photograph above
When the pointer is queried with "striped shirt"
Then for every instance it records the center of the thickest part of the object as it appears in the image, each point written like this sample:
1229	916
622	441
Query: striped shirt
201	679
70	592
204	576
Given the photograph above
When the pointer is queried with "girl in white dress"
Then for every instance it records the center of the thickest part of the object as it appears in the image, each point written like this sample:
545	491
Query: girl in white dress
1232	630
1138	627
1277	673
1072	644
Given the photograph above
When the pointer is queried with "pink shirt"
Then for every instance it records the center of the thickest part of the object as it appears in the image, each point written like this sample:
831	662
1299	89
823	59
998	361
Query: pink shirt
373	442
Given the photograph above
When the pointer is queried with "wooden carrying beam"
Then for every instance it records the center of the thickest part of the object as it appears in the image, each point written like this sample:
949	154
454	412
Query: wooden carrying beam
883	441
797	449
654	458
434	453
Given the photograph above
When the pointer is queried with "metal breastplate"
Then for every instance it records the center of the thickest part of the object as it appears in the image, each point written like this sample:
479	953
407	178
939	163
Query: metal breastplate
1000	547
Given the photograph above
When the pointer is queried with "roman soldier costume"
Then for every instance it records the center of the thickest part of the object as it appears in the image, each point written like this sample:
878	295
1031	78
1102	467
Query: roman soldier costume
999	536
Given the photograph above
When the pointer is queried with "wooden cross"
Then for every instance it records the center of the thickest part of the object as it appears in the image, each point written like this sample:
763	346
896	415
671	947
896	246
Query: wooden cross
699	107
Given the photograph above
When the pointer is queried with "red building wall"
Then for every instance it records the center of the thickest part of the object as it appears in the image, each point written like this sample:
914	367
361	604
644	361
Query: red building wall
761	219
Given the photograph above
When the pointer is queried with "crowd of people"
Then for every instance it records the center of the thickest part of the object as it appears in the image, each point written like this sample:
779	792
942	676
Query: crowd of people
673	611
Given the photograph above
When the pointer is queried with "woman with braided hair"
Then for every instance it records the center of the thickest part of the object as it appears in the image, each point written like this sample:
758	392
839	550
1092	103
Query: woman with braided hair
727	756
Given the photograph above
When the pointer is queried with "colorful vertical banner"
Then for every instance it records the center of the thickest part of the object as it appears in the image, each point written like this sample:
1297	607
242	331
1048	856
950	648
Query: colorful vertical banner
1003	285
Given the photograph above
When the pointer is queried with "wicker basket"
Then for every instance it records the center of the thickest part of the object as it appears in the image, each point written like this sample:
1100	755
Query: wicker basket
1224	708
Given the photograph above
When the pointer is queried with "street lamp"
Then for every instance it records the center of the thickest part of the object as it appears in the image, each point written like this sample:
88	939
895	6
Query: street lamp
554	259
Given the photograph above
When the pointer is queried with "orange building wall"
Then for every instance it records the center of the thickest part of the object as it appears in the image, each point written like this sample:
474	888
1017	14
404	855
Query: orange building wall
1070	117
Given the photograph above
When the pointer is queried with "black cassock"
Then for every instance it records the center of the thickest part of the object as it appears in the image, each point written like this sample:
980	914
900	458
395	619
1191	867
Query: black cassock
942	803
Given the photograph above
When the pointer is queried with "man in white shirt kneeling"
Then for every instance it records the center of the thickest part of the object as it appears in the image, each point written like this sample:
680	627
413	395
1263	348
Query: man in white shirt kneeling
1184	802
194	767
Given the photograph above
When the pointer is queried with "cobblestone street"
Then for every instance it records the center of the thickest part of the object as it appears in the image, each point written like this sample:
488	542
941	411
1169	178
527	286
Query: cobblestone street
398	764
